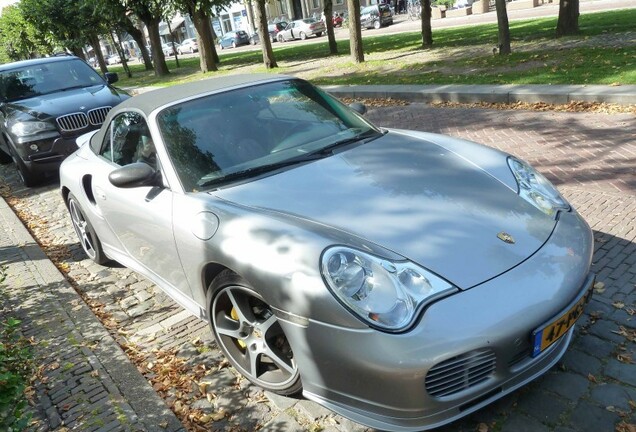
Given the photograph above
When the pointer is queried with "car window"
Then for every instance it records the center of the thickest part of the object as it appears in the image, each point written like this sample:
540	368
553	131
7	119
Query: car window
39	79
217	136
128	140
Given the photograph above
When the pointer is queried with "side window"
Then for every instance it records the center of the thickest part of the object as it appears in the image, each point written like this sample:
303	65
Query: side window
128	140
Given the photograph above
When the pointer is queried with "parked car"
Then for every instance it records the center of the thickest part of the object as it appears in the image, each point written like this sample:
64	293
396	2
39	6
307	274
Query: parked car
189	46
169	49
113	59
402	278
301	29
376	16
234	39
45	104
273	30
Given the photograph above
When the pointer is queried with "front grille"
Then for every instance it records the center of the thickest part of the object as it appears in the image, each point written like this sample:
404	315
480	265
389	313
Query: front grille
460	373
97	116
79	120
72	122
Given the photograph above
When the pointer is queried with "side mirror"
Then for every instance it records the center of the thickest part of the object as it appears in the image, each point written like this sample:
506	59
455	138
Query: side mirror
111	77
134	175
358	107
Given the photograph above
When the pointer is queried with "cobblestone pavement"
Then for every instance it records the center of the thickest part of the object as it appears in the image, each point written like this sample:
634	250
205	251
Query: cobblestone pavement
592	159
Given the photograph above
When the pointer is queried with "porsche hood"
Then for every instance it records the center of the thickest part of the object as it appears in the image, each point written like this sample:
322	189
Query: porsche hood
414	198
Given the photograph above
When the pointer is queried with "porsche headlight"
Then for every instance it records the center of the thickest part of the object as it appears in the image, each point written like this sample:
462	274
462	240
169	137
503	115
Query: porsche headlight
384	293
536	189
29	128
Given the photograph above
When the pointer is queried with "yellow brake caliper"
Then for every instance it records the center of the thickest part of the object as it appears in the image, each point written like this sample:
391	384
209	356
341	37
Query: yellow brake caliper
235	317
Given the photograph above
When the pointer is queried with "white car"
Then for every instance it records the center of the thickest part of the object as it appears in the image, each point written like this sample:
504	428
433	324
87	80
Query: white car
188	46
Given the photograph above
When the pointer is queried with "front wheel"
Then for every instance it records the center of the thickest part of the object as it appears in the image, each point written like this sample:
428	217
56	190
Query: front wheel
318	34
250	336
376	25
233	44
85	232
27	178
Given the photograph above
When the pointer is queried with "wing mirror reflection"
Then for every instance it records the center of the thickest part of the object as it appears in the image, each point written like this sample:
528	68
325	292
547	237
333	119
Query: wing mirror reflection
358	107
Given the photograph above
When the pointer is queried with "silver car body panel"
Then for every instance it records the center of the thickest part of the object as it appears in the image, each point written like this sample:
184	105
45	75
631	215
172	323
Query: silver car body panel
270	233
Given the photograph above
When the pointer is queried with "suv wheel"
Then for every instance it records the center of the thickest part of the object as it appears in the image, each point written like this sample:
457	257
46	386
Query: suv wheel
27	178
5	158
376	25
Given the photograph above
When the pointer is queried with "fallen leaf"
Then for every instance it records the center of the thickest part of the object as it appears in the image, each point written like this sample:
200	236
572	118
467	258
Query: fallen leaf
599	287
219	415
618	304
592	378
482	427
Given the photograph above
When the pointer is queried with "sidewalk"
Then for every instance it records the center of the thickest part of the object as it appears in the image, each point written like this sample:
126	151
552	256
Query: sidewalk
85	382
551	94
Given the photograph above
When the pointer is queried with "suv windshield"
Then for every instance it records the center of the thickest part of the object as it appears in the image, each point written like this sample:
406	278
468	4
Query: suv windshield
43	78
218	139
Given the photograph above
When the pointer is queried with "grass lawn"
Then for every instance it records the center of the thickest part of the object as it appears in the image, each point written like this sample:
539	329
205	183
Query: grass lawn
603	53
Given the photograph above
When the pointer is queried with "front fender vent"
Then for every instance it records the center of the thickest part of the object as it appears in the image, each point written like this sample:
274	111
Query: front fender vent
460	373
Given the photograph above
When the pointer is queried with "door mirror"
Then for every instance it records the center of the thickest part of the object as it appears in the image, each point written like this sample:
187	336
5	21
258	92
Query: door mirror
358	107
134	175
111	77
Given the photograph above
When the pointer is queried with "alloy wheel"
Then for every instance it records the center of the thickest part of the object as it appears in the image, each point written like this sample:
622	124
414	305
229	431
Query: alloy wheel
81	228
251	336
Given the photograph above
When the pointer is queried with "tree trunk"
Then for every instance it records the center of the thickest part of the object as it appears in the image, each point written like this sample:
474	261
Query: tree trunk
263	32
427	31
568	23
160	66
207	51
138	37
333	46
121	53
504	28
98	53
355	31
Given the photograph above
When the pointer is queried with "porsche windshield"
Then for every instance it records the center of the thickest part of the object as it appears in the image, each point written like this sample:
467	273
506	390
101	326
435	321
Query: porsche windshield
239	134
43	78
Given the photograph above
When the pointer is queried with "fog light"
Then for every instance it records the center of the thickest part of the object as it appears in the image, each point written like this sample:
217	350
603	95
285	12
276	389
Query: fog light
34	147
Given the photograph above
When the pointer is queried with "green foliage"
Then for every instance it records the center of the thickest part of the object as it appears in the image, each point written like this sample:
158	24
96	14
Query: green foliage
16	367
19	39
448	3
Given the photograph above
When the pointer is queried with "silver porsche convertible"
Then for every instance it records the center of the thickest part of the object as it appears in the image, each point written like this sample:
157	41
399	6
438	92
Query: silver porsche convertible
402	279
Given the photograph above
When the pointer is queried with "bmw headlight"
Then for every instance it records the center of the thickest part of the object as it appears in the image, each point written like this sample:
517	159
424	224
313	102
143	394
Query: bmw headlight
536	189
30	128
384	293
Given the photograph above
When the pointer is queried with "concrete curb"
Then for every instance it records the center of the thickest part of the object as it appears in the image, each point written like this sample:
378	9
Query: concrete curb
552	94
122	381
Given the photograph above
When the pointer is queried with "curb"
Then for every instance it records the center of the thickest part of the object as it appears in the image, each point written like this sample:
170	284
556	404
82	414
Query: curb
551	94
123	381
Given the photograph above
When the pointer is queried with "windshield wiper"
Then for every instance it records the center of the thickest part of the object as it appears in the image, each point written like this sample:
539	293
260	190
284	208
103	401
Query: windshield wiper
252	172
366	136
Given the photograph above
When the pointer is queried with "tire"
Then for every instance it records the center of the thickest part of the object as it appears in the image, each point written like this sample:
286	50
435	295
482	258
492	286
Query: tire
318	34
377	25
221	46
302	35
5	158
233	44
281	39
27	178
250	335
87	237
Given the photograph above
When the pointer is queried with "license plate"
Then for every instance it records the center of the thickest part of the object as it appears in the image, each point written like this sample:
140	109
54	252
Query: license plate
546	335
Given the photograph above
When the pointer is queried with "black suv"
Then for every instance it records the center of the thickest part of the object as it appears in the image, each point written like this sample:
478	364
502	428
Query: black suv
45	104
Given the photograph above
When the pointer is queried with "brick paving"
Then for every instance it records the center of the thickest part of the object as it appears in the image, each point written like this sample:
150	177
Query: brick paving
591	157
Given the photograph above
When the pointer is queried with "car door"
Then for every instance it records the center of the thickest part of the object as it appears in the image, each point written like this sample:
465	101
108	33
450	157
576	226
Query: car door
139	217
